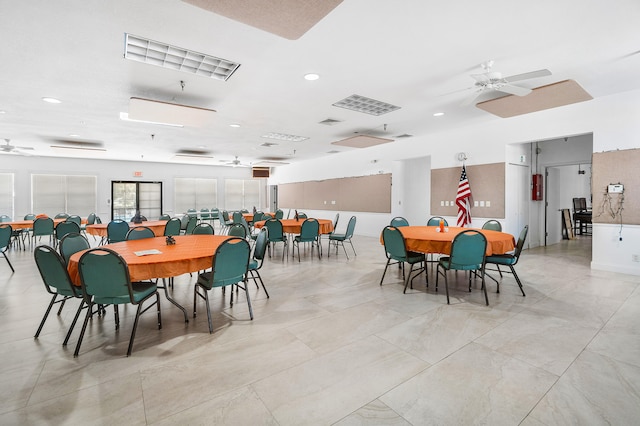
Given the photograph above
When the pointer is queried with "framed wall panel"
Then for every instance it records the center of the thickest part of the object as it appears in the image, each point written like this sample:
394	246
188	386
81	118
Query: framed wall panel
487	182
359	194
612	168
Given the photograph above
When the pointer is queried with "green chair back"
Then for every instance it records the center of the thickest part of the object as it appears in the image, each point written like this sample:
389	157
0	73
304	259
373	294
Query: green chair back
105	277
309	231
72	243
164	217
493	225
192	212
215	214
276	233
394	244
74	218
260	248
5	236
435	221
66	227
5	218
237	217
61	216
230	263
53	271
140	233
351	227
238	230
184	221
117	231
193	221
399	221
91	219
257	216
204	214
520	243
203	229
467	251
172	227
42	226
279	214
29	216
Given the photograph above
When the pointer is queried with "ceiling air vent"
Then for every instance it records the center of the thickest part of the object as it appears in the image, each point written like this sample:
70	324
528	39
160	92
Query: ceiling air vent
176	58
368	106
268	144
199	153
404	135
285	137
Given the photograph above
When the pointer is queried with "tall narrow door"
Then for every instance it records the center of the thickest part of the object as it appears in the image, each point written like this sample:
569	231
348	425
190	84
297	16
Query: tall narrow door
130	197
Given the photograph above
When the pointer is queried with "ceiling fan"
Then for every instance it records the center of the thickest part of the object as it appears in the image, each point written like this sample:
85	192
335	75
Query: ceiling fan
235	163
493	80
8	148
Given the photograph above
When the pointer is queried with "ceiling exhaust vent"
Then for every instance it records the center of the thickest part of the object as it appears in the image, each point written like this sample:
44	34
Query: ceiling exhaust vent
367	105
404	135
176	58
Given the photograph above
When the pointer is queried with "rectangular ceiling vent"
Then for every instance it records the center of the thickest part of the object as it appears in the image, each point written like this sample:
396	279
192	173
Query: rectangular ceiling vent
366	105
404	135
330	122
275	158
268	144
78	143
333	151
176	58
285	137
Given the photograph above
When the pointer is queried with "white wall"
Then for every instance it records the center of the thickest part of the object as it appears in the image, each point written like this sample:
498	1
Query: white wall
107	171
613	121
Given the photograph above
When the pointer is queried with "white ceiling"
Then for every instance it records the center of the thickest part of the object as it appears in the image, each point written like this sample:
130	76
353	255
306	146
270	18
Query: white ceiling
415	54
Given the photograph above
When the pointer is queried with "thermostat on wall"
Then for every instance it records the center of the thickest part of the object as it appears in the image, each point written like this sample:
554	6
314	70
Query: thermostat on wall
615	188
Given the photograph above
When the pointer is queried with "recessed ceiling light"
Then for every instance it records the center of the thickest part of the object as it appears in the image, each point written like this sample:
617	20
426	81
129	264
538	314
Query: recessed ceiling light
438	114
3	112
52	100
234	125
124	116
311	77
73	135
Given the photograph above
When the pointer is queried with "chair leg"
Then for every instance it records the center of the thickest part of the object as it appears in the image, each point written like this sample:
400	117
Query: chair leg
8	261
513	271
73	323
385	270
84	327
248	298
484	287
46	315
406	280
255	274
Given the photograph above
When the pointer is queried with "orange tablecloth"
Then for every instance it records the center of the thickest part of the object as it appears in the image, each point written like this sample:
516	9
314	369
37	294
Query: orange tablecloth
191	253
27	224
157	226
291	226
426	239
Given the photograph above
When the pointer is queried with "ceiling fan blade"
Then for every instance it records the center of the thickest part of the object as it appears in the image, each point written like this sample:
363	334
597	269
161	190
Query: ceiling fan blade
514	90
481	78
470	99
527	75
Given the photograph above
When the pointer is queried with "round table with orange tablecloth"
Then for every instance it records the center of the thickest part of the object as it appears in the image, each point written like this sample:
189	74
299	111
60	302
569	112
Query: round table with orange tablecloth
151	258
28	224
100	229
427	239
292	226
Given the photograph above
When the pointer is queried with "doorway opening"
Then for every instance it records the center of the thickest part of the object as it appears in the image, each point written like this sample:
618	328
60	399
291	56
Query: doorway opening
130	197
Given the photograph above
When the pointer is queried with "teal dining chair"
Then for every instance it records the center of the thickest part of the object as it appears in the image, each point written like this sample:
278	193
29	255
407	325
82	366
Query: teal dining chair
509	260
117	231
309	233
339	238
5	241
396	251
104	277
229	267
72	243
467	254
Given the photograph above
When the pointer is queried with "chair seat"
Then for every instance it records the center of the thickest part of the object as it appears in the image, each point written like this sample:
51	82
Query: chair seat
411	258
444	261
339	237
141	290
502	259
253	264
204	280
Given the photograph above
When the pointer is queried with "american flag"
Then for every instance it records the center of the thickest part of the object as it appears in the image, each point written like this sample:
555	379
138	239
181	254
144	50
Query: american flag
462	199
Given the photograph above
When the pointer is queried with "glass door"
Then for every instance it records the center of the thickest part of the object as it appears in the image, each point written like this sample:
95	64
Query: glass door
129	197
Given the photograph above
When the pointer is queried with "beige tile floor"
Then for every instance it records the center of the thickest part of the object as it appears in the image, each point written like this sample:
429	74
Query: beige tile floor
331	346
